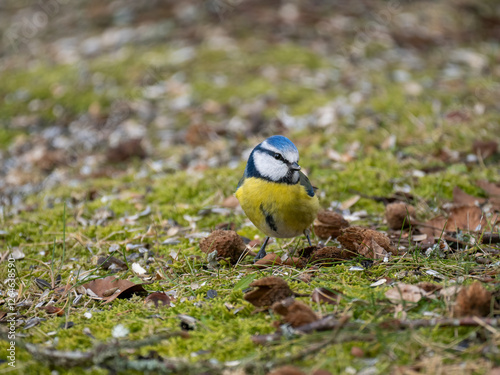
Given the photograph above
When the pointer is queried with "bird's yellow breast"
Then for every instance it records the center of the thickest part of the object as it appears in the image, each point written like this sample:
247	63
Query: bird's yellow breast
277	209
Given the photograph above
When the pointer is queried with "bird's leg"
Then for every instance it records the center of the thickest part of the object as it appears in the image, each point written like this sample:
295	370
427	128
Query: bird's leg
262	252
306	232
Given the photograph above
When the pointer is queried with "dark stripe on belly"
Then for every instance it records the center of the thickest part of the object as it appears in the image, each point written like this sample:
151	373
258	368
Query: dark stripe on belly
269	219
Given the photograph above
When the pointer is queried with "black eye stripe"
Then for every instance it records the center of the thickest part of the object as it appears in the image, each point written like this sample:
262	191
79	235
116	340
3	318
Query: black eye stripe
273	153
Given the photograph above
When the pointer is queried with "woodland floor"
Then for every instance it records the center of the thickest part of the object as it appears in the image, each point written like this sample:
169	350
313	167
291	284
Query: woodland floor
125	128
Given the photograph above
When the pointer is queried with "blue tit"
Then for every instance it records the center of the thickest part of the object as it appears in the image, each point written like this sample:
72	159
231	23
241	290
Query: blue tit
275	195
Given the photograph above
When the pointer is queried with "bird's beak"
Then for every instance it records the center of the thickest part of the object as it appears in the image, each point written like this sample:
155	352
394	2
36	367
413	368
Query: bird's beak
295	167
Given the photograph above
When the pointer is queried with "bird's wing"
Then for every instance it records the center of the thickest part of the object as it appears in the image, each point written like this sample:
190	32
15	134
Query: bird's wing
304	181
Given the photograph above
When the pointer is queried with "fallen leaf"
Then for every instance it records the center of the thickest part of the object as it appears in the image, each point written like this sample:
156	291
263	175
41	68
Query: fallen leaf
268	291
126	150
493	192
269	260
460	197
53	310
294	312
465	218
331	297
490	188
356	351
429	287
484	149
125	288
405	292
159	299
473	300
367	242
399	215
296	262
230	202
371	249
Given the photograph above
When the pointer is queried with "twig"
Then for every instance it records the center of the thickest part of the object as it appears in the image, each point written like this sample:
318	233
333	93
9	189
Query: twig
314	348
99	355
330	323
442	322
489	238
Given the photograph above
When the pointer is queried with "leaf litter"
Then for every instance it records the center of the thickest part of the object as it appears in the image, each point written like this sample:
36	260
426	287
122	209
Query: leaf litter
173	129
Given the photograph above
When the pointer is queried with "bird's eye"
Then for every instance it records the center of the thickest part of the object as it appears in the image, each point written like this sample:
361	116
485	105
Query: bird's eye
278	156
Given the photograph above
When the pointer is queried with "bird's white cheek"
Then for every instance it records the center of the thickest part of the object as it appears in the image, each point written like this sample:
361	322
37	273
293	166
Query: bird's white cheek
269	167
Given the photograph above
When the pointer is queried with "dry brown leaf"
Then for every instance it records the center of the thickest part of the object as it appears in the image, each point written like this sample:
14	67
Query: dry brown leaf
130	148
268	291
493	191
460	197
269	260
159	299
295	262
474	300
490	188
120	288
356	351
405	292
371	249
399	215
485	149
331	297
294	312
227	243
465	218
230	202
53	310
429	287
367	242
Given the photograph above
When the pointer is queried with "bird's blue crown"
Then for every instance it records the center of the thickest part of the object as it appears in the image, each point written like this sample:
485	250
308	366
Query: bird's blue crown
262	163
280	142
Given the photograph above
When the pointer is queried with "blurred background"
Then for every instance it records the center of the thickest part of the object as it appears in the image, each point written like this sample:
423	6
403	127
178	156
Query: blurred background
92	89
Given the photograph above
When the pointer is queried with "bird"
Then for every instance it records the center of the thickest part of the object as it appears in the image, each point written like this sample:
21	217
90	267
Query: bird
274	193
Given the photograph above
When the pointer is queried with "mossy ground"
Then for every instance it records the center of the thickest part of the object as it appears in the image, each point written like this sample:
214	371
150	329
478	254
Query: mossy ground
231	78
